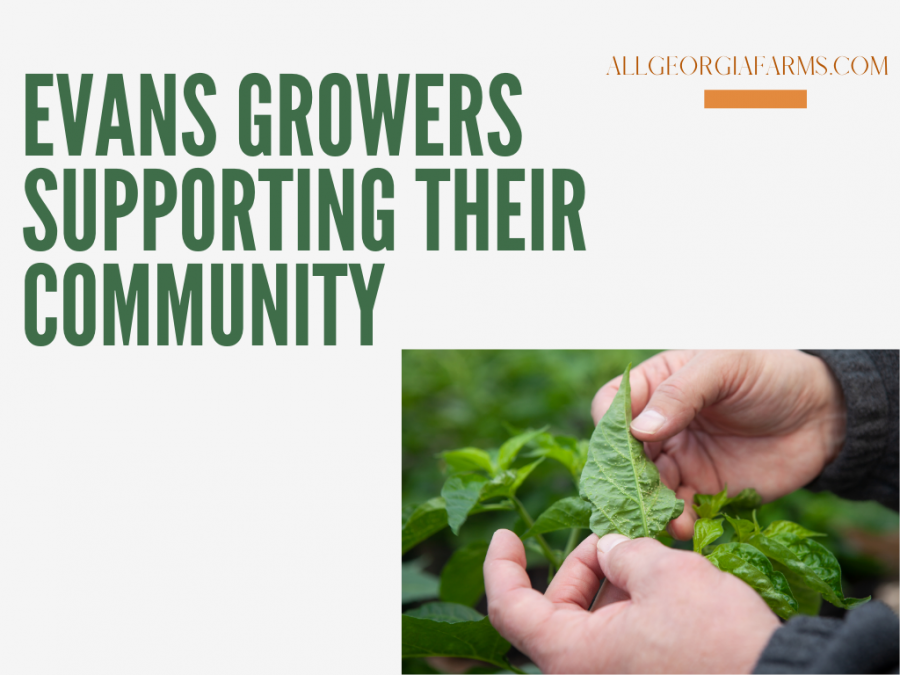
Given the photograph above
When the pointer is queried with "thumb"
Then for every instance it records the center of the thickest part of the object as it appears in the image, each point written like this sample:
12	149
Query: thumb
634	565
678	399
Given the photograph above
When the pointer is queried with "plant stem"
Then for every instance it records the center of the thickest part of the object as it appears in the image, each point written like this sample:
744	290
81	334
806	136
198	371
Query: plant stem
573	541
548	553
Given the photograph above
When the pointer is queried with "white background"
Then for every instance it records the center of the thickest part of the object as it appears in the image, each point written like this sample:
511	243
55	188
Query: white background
212	509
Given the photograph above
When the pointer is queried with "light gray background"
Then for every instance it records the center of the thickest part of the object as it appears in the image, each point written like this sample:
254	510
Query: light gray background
222	510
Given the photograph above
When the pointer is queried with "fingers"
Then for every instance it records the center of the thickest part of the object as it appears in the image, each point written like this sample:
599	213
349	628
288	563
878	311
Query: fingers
515	608
683	526
636	566
609	595
669	472
578	579
645	377
676	400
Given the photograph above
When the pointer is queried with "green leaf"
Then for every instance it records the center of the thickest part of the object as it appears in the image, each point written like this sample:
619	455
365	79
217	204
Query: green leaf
808	601
427	519
789	528
510	449
500	485
562	515
418	584
743	529
469	459
505	505
620	481
461	492
745	500
749	565
814	563
568	451
462	579
461	639
706	531
521	474
710	506
445	612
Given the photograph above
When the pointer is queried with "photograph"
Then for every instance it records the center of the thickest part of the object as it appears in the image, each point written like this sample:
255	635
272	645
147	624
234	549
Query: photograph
727	509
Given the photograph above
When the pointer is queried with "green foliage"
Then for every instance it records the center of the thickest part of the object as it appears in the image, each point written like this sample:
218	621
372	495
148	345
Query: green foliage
469	459
462	579
448	629
417	584
749	565
460	494
787	528
445	612
568	451
508	451
808	601
743	529
808	570
706	531
465	400
460	398
812	562
423	522
709	506
562	515
620	481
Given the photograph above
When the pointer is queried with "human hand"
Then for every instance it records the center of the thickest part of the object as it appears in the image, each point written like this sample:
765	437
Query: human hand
661	610
769	420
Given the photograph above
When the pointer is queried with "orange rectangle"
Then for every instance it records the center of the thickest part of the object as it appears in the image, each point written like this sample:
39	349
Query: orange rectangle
754	98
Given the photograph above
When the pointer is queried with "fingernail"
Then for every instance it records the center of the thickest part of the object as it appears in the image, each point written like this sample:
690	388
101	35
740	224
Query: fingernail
648	422
609	541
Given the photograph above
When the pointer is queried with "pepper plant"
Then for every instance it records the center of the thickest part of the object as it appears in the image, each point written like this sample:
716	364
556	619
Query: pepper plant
616	489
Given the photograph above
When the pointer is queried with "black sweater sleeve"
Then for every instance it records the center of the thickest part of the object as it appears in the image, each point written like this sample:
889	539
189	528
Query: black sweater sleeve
866	640
867	465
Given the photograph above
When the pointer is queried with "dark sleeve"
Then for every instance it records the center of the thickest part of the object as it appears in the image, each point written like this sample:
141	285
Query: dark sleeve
867	466
865	641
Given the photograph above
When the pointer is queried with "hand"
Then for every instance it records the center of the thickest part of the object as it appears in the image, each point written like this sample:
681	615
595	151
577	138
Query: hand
661	610
762	419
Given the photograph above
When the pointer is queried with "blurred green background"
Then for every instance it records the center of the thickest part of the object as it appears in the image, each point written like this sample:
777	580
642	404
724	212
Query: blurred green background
454	399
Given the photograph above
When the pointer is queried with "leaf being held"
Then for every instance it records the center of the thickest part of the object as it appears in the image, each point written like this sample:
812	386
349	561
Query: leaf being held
424	521
749	565
562	515
462	579
706	531
620	482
